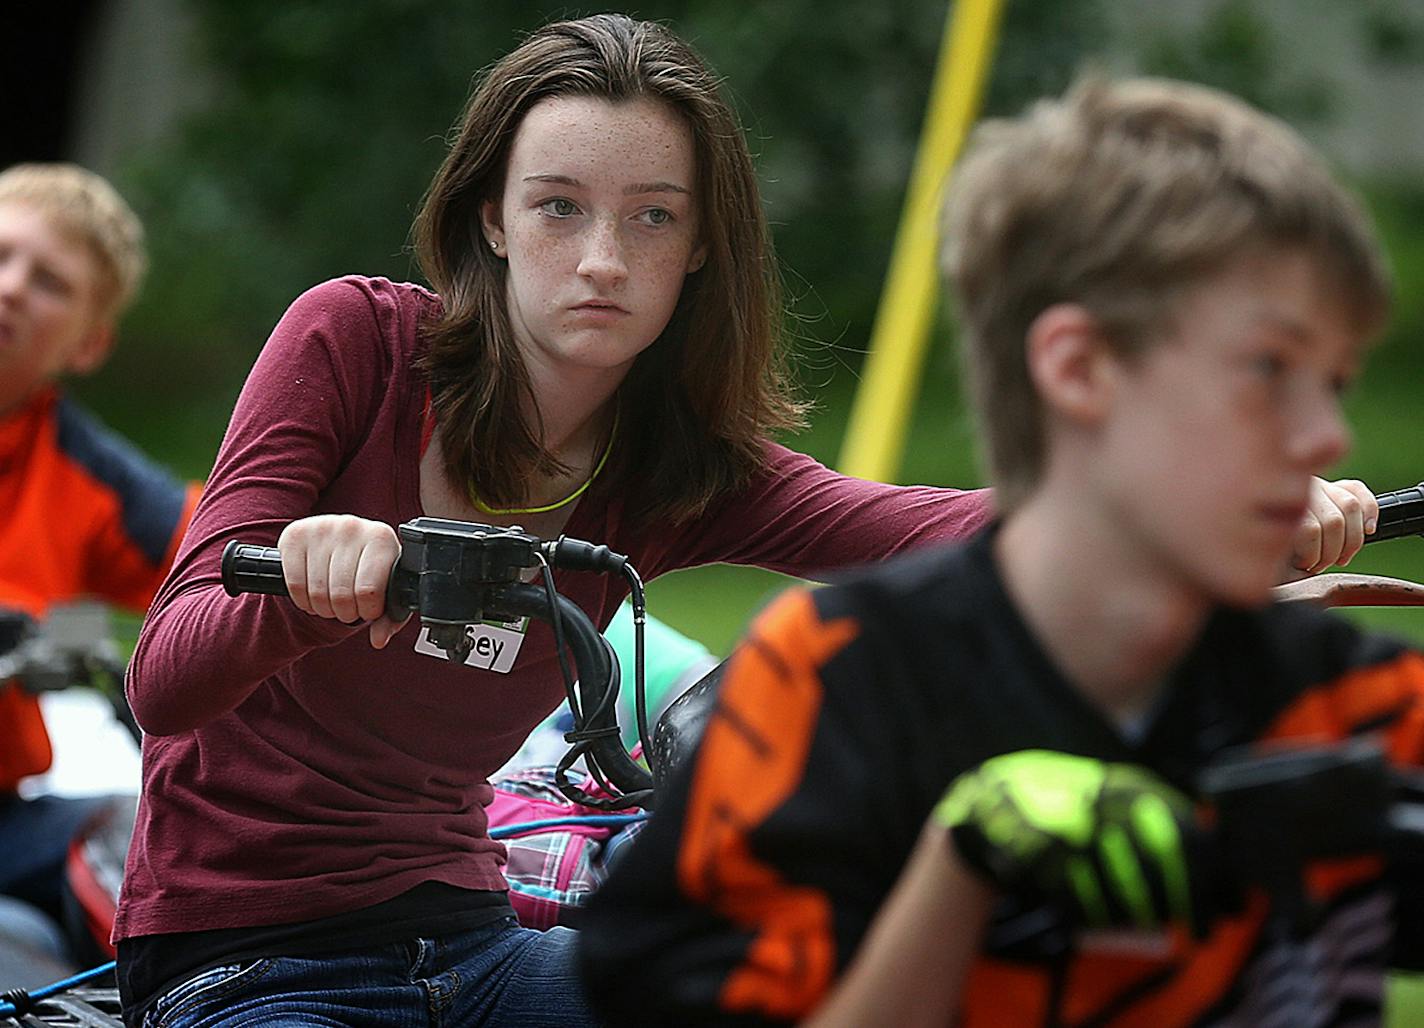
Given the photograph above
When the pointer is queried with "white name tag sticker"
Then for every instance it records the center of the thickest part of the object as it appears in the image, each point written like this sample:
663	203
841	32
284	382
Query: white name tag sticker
494	644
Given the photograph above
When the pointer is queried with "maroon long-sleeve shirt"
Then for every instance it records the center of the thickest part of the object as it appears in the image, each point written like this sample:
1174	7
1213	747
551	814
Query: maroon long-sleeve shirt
292	772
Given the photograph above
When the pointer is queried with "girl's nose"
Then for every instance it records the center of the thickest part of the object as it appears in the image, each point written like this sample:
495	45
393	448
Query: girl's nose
602	259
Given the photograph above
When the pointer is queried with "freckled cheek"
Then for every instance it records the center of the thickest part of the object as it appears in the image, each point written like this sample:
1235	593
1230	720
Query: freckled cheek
539	269
665	265
542	249
663	281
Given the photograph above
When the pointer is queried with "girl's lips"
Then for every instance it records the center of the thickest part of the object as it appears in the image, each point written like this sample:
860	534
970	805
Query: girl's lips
598	312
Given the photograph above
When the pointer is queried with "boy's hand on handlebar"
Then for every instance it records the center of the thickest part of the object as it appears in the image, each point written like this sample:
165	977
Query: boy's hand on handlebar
1339	517
1109	843
337	566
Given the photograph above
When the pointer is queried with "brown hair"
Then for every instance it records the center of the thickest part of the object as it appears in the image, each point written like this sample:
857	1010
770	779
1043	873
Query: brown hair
1118	197
80	204
699	399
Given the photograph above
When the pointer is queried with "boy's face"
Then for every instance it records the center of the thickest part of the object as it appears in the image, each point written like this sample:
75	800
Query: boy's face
49	305
1212	435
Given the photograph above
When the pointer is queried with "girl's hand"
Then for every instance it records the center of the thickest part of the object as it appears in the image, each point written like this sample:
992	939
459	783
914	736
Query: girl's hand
337	566
1341	514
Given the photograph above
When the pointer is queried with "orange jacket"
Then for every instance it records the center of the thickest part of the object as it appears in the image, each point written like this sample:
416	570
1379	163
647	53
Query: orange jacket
82	514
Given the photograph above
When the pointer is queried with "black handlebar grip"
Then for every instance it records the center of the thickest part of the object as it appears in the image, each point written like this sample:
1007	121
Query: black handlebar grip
1401	513
247	568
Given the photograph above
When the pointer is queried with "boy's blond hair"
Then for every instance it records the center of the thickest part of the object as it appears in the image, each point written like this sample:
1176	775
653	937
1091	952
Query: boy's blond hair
1118	197
83	205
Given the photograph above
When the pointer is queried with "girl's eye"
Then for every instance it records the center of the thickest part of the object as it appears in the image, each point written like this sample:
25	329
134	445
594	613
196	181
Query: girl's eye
657	215
559	207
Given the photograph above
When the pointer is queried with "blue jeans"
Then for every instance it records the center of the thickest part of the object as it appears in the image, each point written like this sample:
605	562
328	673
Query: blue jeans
500	974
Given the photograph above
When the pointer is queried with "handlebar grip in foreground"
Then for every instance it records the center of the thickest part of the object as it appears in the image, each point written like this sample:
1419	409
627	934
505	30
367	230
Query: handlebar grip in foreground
1401	513
247	568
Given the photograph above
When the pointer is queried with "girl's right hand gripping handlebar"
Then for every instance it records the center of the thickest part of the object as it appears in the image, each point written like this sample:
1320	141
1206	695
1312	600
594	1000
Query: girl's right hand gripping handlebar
454	574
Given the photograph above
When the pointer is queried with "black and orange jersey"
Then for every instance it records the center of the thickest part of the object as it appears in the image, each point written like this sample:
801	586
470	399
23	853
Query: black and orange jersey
82	514
846	714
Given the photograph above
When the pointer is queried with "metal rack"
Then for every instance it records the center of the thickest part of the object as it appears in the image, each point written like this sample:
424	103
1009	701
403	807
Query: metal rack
77	1008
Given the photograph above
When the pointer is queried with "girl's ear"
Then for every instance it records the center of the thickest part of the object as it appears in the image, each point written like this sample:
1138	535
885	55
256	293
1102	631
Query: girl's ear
1070	363
492	225
698	258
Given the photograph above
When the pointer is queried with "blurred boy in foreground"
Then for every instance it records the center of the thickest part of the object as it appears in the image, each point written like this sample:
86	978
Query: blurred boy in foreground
82	513
942	788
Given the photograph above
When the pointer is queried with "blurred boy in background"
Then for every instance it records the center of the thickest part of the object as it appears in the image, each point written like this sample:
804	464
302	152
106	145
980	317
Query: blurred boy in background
82	512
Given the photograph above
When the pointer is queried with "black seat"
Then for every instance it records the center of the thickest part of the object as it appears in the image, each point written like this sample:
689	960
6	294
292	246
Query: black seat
680	727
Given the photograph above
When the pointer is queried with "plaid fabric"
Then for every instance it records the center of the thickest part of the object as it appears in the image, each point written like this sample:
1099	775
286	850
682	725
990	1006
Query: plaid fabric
552	871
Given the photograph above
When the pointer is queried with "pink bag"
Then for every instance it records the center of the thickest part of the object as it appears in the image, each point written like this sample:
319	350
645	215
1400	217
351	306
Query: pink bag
553	869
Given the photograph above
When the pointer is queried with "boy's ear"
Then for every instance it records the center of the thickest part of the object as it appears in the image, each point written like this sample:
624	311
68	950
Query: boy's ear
492	226
92	350
1070	362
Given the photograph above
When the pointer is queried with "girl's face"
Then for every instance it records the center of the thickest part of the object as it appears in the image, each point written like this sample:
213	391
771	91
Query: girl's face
598	222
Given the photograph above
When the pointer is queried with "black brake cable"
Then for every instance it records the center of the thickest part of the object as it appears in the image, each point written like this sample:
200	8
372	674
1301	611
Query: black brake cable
582	737
581	747
640	695
556	621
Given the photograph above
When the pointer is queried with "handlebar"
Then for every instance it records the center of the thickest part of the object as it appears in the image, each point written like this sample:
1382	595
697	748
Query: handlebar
1278	809
454	574
249	568
1401	513
73	646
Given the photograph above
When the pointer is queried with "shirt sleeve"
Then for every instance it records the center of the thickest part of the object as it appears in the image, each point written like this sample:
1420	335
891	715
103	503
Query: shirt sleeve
135	510
798	517
734	904
303	408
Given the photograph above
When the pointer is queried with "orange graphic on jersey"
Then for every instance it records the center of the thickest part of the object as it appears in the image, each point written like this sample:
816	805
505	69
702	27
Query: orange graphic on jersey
751	760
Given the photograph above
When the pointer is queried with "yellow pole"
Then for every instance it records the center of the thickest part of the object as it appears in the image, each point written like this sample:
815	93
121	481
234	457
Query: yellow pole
880	414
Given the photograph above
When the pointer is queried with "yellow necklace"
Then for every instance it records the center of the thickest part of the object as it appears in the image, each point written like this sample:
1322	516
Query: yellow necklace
484	508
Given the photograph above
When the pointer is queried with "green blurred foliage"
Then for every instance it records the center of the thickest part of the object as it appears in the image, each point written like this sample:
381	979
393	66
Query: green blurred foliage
323	124
1394	32
1235	50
